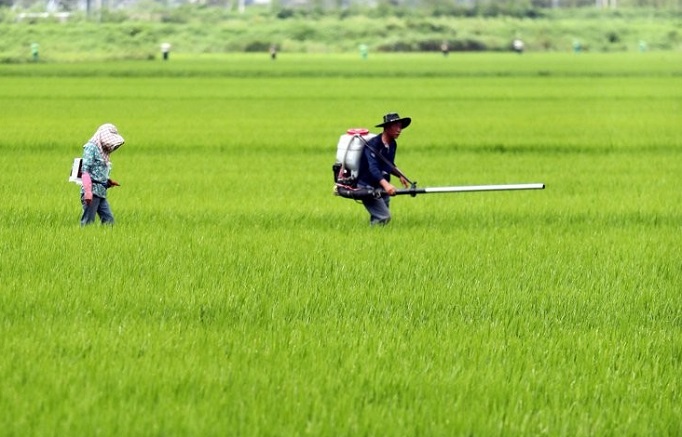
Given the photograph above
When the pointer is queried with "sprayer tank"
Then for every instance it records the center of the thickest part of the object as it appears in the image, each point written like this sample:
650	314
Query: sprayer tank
349	148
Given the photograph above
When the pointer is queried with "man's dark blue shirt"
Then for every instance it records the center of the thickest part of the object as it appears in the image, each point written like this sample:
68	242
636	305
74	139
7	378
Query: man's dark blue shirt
372	168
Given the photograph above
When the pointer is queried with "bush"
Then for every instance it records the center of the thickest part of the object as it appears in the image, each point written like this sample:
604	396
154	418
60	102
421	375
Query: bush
397	46
303	32
468	45
109	16
612	37
257	46
430	45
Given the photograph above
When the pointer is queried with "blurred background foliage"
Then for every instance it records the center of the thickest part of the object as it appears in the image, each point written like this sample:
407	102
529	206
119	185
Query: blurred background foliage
125	29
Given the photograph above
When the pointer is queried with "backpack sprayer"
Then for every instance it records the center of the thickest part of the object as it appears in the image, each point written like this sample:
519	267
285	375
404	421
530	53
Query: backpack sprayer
349	152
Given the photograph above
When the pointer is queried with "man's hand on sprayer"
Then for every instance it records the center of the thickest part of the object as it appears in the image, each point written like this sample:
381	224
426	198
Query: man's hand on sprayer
404	182
386	185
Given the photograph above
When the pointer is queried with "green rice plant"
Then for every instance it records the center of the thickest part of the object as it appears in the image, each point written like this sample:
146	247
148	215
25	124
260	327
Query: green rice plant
237	295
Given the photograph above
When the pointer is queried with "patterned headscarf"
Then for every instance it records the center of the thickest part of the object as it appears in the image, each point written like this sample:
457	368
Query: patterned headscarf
107	139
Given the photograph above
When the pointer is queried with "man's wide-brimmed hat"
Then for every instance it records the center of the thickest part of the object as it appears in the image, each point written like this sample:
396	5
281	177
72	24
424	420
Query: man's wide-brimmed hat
393	117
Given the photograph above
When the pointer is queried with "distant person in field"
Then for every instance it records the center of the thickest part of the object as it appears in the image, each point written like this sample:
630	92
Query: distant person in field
364	51
273	52
165	50
517	45
96	168
445	48
34	51
375	171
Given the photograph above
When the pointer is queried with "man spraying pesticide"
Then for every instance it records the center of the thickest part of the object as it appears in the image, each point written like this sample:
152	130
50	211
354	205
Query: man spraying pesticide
365	162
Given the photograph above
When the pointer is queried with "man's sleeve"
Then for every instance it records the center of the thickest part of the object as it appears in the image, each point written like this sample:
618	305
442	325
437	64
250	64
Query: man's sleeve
375	172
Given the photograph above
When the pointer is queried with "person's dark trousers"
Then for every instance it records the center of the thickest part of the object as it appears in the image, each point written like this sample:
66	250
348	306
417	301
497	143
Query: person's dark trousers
98	206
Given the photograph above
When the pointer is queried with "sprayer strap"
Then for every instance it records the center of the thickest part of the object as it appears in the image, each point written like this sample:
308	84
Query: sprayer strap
386	161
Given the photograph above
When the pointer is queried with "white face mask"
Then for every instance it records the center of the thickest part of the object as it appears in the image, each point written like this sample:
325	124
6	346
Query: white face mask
110	148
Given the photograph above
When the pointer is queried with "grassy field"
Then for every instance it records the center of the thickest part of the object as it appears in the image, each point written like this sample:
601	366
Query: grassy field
237	296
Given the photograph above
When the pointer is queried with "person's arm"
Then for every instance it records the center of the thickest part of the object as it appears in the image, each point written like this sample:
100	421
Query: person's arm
87	187
375	173
86	178
387	186
395	171
403	179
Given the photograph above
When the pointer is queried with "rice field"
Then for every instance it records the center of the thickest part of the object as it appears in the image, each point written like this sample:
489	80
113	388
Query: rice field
237	296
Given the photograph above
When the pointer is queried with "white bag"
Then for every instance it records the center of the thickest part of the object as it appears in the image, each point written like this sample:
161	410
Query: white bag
76	171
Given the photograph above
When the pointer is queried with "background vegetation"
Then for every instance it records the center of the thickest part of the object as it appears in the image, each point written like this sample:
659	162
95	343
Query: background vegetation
117	35
236	295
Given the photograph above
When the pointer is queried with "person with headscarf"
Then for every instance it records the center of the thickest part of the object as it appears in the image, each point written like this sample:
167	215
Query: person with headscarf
96	168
